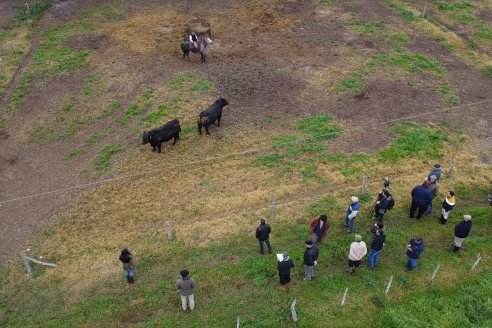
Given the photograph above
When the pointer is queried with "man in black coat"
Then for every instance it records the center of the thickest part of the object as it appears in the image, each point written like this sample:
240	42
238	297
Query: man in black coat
461	231
284	266
263	234
310	259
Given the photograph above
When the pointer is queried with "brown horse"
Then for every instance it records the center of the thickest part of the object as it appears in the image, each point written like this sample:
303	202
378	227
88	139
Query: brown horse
187	46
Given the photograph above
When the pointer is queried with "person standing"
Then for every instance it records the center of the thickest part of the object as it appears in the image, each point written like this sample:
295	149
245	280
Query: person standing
285	264
310	259
461	231
421	198
186	287
436	171
434	188
263	235
319	228
415	248
351	214
383	204
377	245
126	257
357	251
447	206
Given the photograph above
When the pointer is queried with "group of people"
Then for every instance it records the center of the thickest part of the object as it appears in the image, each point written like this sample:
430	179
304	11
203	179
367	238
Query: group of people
422	197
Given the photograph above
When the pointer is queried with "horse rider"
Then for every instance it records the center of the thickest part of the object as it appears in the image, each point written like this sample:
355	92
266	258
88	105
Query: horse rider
194	39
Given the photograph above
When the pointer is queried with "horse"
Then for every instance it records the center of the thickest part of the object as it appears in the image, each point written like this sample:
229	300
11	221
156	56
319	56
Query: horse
187	46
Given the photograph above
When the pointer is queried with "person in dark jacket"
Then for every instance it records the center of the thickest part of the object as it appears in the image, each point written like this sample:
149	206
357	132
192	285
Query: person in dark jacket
310	259
263	234
461	231
436	170
382	204
126	258
415	248
319	228
434	188
447	206
186	288
377	245
284	266
421	198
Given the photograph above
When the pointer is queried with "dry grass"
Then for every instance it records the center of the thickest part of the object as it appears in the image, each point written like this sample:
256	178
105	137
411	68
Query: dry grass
14	46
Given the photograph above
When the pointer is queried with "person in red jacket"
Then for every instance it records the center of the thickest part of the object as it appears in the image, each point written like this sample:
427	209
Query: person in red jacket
319	228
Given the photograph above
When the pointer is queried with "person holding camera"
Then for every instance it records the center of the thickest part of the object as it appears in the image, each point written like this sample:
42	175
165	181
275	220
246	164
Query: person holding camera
384	203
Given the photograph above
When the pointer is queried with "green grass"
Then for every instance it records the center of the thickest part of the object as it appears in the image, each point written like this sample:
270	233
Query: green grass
155	117
103	160
453	100
483	33
351	83
454	5
487	71
18	96
464	18
319	127
177	82
109	110
413	63
35	12
63	127
201	85
413	139
403	12
130	112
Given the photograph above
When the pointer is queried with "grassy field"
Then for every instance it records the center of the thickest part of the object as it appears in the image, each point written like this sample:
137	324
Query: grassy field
213	189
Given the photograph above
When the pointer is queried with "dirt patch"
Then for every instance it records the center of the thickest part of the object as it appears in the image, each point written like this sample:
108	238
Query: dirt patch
485	15
98	43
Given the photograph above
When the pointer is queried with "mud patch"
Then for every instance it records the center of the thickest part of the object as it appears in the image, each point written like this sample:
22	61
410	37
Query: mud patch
98	43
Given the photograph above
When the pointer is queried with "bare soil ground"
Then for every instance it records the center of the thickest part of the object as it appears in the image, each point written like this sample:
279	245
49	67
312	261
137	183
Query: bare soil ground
262	67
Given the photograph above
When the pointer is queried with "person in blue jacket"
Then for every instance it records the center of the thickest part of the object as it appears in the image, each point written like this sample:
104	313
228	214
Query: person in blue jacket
421	198
351	214
415	248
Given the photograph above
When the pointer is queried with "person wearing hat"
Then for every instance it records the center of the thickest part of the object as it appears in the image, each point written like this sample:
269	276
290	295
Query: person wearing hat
434	188
186	287
447	206
436	171
193	39
461	231
351	214
357	251
310	259
421	198
263	235
319	228
383	204
284	265
415	248
126	258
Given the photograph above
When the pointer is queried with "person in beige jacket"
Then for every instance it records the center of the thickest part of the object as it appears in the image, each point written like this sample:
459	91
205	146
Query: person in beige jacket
358	250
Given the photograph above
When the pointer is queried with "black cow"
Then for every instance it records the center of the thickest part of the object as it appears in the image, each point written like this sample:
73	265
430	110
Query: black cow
165	133
212	114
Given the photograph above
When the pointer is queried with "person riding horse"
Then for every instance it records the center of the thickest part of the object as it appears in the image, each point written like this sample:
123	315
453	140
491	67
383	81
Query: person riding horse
193	39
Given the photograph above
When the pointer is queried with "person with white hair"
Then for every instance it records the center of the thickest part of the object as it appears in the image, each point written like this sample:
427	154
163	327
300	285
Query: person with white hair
351	214
285	264
358	250
461	231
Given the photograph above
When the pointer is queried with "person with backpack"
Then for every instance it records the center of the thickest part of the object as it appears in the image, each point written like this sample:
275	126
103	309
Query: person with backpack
310	260
263	235
384	203
351	214
126	258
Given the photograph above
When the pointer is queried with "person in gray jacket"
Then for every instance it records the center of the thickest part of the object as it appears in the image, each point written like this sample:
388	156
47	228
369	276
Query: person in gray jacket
434	189
186	287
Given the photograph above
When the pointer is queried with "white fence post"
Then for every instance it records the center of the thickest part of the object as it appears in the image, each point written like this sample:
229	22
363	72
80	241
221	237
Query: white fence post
293	310
344	296
169	231
26	263
389	285
476	262
237	322
435	271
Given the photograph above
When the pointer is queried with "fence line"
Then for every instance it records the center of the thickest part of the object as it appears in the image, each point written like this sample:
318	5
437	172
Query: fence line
249	151
389	285
344	296
435	271
479	257
293	310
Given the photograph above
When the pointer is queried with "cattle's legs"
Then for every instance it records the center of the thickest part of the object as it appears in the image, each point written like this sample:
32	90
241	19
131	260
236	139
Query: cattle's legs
218	120
175	139
153	148
159	148
206	129
199	128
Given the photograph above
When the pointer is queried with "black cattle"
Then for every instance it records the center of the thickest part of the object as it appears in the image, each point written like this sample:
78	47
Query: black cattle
165	133
212	114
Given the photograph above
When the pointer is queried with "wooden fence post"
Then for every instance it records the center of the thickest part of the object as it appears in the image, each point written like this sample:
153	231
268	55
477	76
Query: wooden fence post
451	169
26	263
423	12
389	285
169	231
293	310
435	271
273	206
364	184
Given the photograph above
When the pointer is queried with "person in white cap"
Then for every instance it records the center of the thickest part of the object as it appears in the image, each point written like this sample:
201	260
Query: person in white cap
351	214
358	250
461	231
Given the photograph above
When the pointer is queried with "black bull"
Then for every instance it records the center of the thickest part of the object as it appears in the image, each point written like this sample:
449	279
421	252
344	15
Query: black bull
211	114
163	134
